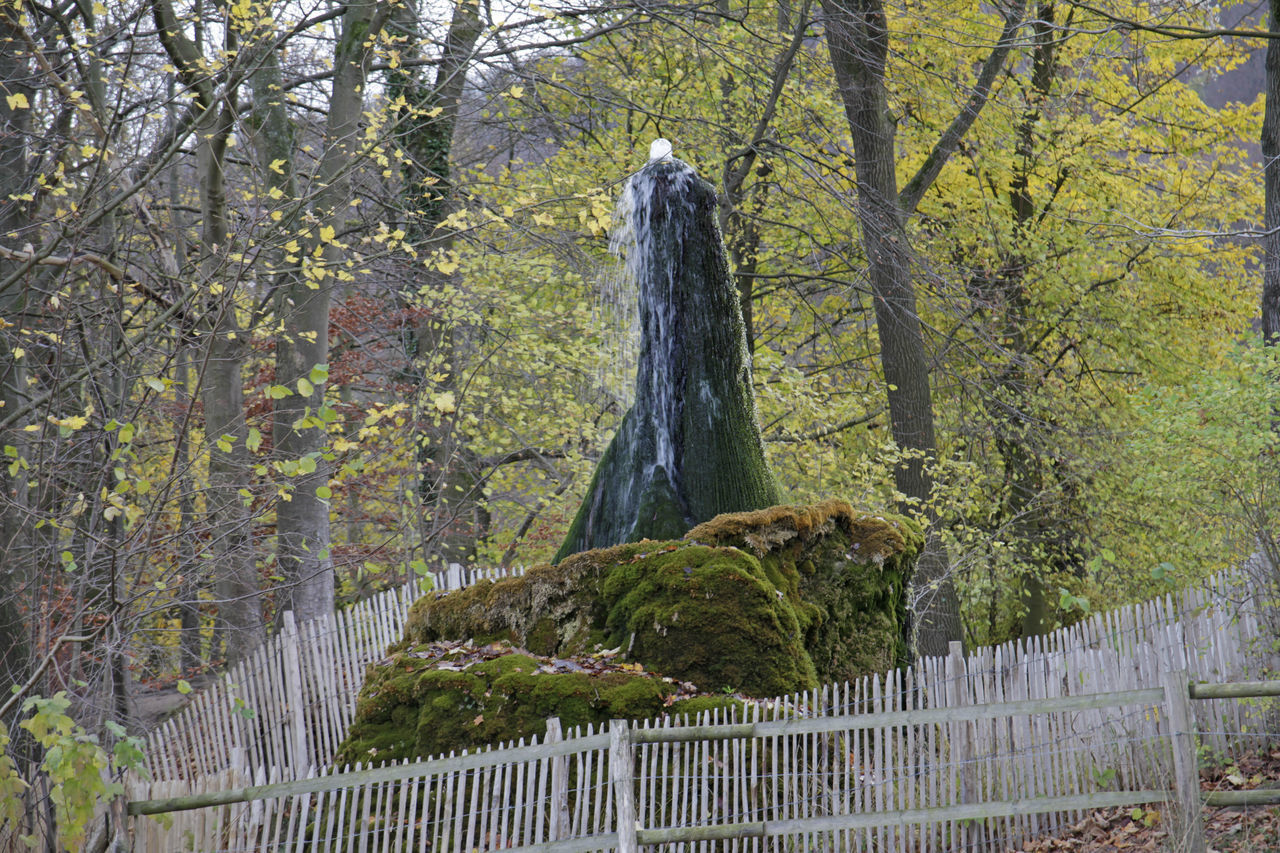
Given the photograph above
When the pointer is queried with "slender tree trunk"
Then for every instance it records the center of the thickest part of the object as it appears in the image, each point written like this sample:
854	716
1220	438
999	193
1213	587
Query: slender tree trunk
1271	184
858	39
221	362
452	519
16	557
1025	485
236	585
740	230
302	521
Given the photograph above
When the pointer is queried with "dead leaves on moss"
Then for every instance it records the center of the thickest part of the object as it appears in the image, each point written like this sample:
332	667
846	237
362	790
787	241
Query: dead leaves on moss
459	656
765	531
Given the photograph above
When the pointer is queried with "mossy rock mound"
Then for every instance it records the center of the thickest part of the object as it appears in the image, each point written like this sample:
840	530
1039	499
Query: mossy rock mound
851	571
765	602
436	697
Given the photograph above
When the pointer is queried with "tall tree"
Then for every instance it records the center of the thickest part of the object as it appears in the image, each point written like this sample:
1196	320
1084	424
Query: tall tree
1271	183
858	40
15	522
222	359
302	349
450	483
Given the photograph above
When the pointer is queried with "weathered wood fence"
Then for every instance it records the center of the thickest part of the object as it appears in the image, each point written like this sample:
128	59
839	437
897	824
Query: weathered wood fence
286	708
1050	748
279	717
283	712
974	777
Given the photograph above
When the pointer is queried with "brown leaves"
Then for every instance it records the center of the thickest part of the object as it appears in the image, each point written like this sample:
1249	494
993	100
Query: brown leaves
1226	830
459	656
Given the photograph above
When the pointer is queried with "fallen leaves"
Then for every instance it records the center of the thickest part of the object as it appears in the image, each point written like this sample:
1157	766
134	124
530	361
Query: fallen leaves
1244	830
459	656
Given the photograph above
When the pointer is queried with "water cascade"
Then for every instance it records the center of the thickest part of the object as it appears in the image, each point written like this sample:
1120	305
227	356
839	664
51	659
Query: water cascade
689	447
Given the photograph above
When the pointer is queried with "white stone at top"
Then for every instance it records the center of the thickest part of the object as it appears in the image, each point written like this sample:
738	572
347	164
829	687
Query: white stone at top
659	149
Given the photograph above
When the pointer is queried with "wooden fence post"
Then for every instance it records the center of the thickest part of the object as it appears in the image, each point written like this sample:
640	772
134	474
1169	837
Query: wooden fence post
560	822
1186	775
961	745
621	774
296	720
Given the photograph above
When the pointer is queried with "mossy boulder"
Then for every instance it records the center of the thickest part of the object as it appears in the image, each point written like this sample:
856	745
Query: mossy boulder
765	602
850	570
762	603
709	615
438	697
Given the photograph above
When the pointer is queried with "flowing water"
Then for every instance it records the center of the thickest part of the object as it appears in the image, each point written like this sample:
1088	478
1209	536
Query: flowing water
688	447
638	299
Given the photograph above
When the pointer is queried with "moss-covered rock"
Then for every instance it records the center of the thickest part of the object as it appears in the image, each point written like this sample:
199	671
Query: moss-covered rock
701	614
438	697
852	570
763	603
550	610
707	615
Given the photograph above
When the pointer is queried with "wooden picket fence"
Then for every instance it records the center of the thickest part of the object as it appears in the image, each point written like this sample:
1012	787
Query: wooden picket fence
286	708
555	794
890	766
283	712
278	718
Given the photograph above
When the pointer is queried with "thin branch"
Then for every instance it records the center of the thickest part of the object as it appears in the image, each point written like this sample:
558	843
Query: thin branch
39	671
29	254
745	158
1178	31
788	438
950	140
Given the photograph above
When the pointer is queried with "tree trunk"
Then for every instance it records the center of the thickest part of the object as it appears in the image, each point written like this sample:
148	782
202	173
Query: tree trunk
239	623
858	39
449	486
236	587
16	558
302	521
1271	183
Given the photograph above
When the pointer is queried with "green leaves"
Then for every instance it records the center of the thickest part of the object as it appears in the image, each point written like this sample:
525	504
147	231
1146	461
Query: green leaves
74	761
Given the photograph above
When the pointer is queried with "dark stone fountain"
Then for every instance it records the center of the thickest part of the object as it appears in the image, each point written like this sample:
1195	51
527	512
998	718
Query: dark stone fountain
689	448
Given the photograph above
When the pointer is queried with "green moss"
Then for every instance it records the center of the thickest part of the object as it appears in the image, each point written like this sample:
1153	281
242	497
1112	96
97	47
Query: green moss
710	616
552	607
543	638
850	570
763	603
420	703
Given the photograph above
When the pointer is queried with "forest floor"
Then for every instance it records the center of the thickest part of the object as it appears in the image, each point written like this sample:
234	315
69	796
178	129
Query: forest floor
1252	830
